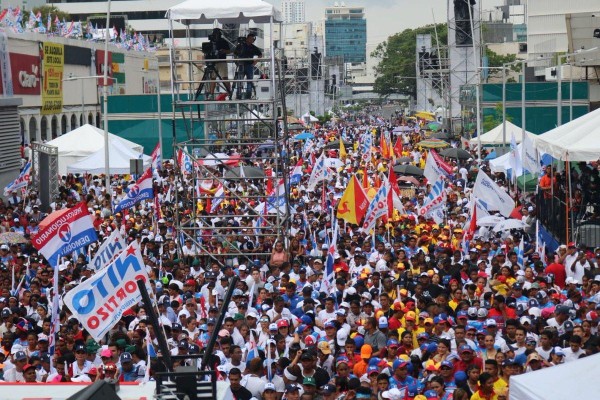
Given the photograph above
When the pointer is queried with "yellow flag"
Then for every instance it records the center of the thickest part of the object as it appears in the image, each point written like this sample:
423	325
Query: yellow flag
343	153
353	204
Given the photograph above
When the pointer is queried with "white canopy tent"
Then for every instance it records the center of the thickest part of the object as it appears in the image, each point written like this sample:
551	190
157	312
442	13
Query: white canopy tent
225	11
118	159
494	137
502	163
309	118
577	140
574	380
86	140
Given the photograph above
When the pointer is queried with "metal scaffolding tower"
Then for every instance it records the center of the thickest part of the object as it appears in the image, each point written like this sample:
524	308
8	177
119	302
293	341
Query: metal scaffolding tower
236	146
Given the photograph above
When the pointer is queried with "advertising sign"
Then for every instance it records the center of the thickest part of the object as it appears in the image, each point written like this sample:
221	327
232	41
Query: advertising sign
53	62
25	74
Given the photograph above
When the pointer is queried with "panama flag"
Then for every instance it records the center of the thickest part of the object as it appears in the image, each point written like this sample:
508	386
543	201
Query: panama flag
64	232
142	190
156	161
21	181
296	173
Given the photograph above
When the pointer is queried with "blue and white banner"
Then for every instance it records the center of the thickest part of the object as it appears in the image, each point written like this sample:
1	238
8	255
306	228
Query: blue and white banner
318	173
489	193
530	156
111	248
378	207
100	301
21	181
142	190
433	206
365	146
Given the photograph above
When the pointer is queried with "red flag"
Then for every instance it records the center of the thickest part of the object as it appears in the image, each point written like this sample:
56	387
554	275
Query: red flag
473	223
394	181
398	148
441	163
269	176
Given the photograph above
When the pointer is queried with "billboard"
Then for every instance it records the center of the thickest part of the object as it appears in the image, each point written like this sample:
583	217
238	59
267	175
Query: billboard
53	57
25	74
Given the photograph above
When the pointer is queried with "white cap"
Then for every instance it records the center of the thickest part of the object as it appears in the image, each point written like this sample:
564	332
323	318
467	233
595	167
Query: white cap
490	322
392	394
524	320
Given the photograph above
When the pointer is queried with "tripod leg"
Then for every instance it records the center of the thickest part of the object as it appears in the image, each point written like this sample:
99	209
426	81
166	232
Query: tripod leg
202	83
228	90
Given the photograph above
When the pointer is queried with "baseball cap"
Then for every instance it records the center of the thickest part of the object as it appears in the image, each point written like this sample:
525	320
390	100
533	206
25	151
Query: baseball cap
79	347
20	356
490	322
269	386
392	394
282	323
309	381
366	351
465	348
383	322
126	357
328	389
447	363
324	347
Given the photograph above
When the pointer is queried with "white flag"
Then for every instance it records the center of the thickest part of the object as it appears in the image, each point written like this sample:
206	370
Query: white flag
432	170
109	250
492	196
377	208
529	155
318	173
434	203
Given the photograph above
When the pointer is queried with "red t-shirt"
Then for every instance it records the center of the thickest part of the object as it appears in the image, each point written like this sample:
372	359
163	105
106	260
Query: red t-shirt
560	275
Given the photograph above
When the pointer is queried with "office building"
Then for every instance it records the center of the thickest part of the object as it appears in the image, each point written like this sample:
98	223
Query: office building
346	33
293	11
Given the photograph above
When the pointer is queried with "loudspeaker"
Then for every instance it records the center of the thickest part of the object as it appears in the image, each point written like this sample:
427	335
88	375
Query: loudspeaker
99	390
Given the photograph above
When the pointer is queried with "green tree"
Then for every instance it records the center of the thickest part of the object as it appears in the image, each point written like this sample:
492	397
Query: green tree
395	71
493	120
496	60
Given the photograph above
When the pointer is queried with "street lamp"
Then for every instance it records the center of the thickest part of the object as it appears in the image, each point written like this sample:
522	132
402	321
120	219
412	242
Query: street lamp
158	109
105	102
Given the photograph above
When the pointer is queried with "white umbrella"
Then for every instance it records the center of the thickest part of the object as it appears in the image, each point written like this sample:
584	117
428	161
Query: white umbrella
509	224
489	220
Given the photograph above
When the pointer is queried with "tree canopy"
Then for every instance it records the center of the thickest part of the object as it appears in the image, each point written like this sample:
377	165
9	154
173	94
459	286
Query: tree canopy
395	72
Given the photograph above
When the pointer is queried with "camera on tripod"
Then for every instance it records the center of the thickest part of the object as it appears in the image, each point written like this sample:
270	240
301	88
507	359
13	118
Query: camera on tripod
238	45
209	49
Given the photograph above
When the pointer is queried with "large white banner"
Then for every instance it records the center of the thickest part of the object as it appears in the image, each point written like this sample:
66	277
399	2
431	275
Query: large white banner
110	248
529	155
99	302
377	208
434	204
492	196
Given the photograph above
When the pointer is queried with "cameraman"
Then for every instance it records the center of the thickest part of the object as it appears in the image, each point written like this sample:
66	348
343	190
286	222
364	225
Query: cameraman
247	49
220	50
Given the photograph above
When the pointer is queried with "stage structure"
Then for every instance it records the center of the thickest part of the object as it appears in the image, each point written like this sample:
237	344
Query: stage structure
464	51
432	74
44	172
238	163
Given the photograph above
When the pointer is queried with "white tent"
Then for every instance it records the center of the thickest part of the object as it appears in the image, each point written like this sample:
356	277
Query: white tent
118	160
308	117
575	380
81	142
577	140
494	137
502	163
225	11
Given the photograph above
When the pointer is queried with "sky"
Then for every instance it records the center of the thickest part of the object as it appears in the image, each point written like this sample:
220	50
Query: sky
386	17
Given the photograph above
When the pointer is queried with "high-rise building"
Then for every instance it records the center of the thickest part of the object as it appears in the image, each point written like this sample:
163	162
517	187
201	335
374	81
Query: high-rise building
346	33
293	11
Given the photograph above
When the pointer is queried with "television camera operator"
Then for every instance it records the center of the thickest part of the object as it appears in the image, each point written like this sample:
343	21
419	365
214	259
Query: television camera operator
247	49
219	50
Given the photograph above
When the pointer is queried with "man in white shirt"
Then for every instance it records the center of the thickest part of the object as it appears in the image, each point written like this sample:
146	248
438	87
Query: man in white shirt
574	351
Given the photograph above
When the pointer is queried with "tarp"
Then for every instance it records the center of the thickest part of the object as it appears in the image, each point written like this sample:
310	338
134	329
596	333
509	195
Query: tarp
577	140
225	11
82	142
118	160
494	137
575	380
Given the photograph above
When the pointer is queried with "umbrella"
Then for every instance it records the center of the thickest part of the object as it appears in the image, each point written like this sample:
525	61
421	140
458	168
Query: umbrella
441	135
433	144
407	169
456	153
12	238
409	179
489	220
403	160
336	145
304	136
509	224
490	156
434	126
425	115
528	181
267	145
245	171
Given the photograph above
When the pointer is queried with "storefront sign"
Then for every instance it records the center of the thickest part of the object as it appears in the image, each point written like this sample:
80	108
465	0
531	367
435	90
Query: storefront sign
53	64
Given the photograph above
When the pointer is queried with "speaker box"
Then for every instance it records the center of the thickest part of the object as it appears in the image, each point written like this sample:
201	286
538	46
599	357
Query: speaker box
99	390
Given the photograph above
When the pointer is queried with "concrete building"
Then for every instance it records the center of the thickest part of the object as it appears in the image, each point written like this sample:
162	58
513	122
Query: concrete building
293	11
80	93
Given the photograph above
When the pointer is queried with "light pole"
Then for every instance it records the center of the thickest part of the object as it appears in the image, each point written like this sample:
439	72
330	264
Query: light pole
82	78
158	109
105	102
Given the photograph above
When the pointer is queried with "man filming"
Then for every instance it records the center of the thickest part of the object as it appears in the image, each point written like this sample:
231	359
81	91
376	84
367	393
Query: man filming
248	50
220	50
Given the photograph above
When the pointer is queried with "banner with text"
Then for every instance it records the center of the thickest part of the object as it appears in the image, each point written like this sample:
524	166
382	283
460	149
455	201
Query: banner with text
110	249
100	301
53	59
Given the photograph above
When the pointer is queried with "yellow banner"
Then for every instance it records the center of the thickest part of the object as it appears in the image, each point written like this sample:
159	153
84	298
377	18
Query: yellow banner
53	63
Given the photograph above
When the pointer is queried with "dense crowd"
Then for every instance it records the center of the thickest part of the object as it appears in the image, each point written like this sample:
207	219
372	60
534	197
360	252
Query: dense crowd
415	309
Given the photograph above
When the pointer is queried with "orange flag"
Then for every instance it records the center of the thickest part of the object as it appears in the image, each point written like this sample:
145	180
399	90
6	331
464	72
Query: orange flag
383	145
398	147
354	202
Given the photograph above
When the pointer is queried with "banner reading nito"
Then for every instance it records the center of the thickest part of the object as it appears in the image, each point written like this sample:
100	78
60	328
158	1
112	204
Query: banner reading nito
53	63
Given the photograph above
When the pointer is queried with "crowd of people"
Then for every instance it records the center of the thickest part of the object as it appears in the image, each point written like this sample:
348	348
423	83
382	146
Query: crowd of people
414	310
